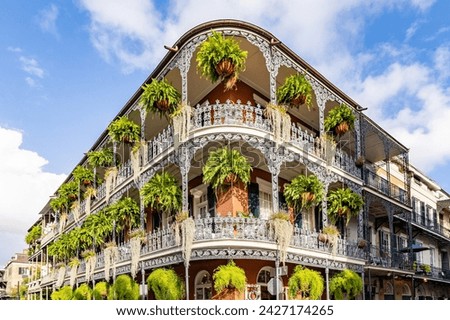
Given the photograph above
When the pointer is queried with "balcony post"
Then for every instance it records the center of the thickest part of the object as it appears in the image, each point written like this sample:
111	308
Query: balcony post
274	161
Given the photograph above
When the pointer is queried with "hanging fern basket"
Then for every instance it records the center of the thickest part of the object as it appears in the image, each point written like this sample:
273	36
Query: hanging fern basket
162	105
341	128
298	101
308	197
225	68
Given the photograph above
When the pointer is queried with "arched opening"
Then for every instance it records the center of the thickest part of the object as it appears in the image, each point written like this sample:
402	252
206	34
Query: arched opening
203	286
264	276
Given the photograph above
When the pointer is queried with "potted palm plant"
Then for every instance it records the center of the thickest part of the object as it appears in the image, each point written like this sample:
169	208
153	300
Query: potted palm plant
340	119
124	130
346	284
221	58
303	192
343	203
295	91
229	281
160	97
305	284
166	284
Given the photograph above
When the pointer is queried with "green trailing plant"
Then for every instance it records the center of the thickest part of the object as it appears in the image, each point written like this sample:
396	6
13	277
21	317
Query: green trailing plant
225	166
221	58
124	288
340	119
346	284
83	175
295	91
126	213
166	284
160	97
124	130
162	193
33	235
100	291
101	158
229	277
83	292
425	268
343	203
305	284
96	228
303	192
65	293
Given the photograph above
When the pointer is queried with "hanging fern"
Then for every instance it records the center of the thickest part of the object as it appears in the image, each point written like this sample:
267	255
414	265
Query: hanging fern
343	203
65	293
346	284
305	283
100	291
83	292
124	130
101	158
166	284
124	288
340	115
295	91
162	193
226	166
229	276
217	49
160	97
304	192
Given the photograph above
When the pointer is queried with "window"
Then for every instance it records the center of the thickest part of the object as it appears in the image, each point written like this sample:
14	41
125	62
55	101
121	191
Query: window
23	271
265	199
200	201
203	287
264	276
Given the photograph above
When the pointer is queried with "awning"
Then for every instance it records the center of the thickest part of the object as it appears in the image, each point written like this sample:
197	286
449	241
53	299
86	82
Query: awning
414	248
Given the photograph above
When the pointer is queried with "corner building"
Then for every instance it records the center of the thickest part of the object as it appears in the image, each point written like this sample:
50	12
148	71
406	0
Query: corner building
403	225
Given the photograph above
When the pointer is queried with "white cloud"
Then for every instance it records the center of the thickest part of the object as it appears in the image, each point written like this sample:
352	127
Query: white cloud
31	66
24	187
442	61
14	49
47	20
398	88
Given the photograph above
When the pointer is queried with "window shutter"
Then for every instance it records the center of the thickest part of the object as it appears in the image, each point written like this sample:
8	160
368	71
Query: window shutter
191	205
253	199
211	202
282	201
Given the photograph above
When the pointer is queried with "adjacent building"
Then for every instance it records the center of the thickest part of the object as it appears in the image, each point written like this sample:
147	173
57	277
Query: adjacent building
398	242
17	269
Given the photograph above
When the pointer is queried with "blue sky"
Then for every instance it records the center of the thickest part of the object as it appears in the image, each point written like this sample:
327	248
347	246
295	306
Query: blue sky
68	67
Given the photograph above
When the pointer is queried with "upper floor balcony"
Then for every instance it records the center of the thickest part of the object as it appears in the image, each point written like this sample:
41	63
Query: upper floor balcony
385	187
215	234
